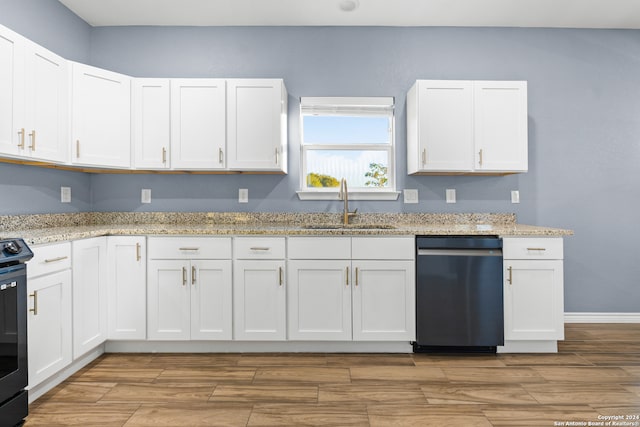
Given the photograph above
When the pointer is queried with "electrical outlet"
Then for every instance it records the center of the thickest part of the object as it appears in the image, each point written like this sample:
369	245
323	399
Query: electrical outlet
451	195
410	196
65	194
515	196
243	195
145	196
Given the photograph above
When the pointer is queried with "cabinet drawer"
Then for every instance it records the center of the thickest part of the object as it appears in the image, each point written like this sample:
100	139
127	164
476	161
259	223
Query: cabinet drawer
259	247
49	258
384	248
189	248
532	248
320	248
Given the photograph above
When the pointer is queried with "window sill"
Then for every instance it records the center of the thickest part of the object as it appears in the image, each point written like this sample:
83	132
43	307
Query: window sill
353	195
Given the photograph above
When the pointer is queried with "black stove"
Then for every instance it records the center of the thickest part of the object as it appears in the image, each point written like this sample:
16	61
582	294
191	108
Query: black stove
14	401
14	251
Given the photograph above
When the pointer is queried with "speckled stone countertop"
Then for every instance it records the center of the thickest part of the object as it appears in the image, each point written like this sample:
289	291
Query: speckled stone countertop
49	228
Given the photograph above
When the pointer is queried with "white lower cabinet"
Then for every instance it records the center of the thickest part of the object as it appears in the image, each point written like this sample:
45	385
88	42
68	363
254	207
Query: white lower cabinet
319	300
49	315
384	301
367	295
259	300
127	296
89	294
259	291
533	289
189	298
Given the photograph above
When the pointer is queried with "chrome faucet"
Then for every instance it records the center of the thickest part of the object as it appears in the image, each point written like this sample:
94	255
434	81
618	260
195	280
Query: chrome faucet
344	196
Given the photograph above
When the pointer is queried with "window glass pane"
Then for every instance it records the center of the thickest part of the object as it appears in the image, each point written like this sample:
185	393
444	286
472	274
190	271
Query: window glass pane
361	168
333	130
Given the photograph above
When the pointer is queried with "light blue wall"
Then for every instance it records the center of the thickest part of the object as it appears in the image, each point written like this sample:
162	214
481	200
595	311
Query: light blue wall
27	189
584	122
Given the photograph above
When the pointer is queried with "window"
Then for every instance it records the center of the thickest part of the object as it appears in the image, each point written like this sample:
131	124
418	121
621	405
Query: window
350	138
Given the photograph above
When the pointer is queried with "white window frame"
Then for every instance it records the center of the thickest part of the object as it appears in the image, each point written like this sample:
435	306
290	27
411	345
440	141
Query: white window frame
359	106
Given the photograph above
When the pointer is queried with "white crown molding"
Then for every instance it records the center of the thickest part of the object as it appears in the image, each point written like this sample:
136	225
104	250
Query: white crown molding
602	318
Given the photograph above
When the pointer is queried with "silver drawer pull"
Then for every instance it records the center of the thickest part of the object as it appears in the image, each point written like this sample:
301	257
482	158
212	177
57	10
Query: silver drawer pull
536	249
260	248
188	249
60	258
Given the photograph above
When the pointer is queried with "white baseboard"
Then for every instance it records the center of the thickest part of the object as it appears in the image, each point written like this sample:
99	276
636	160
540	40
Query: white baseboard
602	318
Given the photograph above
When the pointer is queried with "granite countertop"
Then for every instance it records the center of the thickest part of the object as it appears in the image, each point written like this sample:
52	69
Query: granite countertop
49	228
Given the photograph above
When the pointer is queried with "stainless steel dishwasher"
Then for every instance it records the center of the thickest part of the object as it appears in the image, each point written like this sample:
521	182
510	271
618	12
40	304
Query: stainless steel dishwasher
459	302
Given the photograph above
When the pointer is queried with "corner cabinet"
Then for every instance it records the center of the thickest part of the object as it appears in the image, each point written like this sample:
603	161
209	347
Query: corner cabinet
189	288
257	125
49	324
467	127
533	292
89	294
101	118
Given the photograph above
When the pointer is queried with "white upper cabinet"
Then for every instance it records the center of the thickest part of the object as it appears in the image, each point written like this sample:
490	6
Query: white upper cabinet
440	126
11	92
500	126
33	100
257	125
47	101
463	126
151	123
101	117
198	123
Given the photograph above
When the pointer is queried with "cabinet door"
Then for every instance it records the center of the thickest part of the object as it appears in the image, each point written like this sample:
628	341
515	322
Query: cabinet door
384	300
101	117
11	92
150	123
49	326
443	114
89	294
259	300
168	300
127	296
533	300
198	123
47	91
319	300
211	304
500	126
256	128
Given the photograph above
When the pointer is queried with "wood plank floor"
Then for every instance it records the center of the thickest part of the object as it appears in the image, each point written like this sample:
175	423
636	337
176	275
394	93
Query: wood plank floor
596	373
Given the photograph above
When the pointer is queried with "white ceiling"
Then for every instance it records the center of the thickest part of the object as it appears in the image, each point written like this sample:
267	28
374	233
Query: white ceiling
467	13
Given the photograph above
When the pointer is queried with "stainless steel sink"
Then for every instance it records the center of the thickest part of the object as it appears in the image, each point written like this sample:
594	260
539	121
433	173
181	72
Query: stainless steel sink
349	227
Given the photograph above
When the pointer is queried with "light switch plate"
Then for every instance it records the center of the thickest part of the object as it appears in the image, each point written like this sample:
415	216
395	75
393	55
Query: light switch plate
145	196
65	194
515	196
451	195
410	195
243	195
